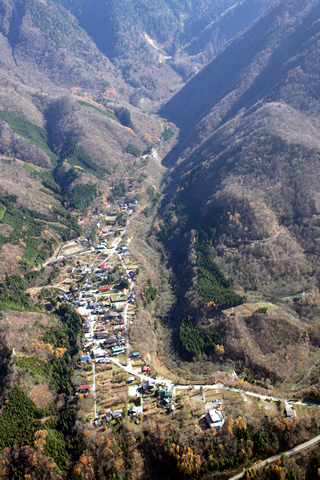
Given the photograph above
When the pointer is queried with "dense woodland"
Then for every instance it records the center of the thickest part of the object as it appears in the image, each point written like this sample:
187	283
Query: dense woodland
21	420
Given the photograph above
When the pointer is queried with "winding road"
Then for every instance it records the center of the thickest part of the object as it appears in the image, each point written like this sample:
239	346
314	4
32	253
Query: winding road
293	451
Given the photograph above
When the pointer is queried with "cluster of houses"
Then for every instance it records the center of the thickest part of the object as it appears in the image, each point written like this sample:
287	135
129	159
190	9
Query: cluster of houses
128	208
164	395
107	417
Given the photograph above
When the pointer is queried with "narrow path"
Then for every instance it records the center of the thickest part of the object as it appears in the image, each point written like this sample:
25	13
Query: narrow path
307	375
293	451
125	313
37	289
217	386
113	251
94	390
142	377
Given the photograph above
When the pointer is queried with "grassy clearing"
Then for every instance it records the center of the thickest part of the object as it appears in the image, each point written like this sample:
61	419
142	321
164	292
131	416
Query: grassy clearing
103	112
247	309
31	168
301	410
2	211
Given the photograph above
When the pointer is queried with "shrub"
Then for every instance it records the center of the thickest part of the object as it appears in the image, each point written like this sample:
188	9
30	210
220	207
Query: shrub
196	340
167	134
124	117
133	150
149	293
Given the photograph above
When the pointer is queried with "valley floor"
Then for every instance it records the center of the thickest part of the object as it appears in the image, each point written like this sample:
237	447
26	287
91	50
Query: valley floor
108	313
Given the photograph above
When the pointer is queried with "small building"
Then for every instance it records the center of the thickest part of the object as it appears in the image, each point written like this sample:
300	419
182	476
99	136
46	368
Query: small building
215	419
103	334
88	295
130	379
108	416
132	410
110	315
83	388
85	358
135	354
164	393
110	341
116	413
99	352
70	270
150	384
290	411
116	350
101	247
145	368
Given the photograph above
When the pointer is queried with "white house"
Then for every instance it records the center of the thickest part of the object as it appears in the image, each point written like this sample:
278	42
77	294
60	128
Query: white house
215	419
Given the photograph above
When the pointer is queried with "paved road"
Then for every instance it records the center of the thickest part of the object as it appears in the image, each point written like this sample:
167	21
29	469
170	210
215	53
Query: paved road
142	377
292	451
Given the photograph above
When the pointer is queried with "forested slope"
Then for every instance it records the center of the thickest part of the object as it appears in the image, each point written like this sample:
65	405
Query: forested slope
249	155
238	220
264	63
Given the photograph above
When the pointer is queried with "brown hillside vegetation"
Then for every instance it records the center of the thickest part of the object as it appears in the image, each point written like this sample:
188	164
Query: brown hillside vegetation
249	147
210	267
271	345
22	331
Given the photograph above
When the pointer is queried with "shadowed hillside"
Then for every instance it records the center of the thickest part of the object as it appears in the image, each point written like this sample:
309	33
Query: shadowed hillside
242	212
261	64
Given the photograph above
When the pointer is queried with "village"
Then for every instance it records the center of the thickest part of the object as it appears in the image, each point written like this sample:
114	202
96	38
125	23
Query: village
112	380
98	281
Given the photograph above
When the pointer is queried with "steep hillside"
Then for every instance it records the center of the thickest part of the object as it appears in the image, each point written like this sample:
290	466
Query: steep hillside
64	112
241	218
64	106
210	276
166	39
263	63
44	46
